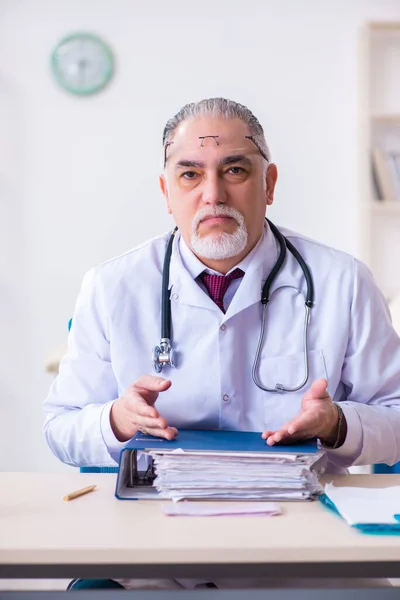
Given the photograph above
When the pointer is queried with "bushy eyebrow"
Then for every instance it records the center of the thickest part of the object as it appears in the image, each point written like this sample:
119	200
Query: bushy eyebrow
195	164
227	160
236	159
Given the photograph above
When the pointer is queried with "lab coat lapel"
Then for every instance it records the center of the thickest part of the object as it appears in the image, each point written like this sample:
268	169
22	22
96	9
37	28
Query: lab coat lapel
262	262
183	288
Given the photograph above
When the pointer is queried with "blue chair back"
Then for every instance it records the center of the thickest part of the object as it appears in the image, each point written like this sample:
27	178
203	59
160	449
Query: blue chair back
384	469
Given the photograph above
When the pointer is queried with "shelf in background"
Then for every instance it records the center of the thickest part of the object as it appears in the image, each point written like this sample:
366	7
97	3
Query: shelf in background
386	119
384	25
391	207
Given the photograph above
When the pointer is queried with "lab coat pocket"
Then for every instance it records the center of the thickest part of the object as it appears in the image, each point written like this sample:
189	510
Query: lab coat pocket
288	371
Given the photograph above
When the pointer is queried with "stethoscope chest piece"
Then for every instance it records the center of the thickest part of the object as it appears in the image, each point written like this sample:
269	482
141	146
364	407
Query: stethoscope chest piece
163	355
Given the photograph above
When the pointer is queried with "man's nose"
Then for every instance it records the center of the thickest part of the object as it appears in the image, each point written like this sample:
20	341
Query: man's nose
213	191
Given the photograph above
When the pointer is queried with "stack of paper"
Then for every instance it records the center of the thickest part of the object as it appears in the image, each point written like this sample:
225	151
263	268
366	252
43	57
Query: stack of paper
182	474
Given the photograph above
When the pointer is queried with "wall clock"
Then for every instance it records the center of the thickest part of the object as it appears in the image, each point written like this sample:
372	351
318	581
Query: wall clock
82	64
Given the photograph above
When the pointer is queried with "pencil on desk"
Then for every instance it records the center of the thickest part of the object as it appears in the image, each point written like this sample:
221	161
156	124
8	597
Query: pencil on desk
78	493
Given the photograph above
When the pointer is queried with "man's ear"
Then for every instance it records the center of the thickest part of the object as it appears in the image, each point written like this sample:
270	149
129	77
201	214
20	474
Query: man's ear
164	190
271	179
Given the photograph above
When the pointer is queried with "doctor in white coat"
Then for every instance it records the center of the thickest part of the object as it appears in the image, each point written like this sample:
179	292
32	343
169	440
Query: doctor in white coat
218	182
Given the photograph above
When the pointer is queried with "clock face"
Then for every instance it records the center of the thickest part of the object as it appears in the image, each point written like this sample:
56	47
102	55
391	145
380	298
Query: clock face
82	64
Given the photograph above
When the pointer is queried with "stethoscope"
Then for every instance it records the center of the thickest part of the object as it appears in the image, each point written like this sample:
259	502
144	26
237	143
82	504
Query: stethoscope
163	355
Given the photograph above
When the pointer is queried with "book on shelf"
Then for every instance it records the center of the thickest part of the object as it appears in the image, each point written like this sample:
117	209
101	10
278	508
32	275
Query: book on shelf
386	174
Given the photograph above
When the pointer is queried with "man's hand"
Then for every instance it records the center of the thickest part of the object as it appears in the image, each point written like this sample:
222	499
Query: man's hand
135	411
319	417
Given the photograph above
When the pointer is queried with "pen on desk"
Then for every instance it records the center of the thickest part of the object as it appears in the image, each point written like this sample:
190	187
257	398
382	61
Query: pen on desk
78	493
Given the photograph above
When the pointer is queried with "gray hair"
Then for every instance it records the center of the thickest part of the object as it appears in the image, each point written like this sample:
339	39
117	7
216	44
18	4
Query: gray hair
219	108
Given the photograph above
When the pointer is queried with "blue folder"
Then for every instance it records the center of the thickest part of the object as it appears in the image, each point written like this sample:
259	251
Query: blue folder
193	439
370	528
231	441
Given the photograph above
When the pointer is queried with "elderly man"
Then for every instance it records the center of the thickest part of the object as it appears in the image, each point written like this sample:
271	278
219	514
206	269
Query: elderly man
227	265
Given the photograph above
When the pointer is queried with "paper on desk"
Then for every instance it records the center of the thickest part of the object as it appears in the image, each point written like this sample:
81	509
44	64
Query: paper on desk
202	509
365	505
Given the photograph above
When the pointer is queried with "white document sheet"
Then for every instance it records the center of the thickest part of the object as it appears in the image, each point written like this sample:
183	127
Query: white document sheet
205	509
359	505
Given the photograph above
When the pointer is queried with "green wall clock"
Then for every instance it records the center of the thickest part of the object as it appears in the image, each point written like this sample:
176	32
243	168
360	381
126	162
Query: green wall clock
82	64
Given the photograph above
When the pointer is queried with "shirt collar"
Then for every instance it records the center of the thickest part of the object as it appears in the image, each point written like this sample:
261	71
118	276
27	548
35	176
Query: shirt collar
258	264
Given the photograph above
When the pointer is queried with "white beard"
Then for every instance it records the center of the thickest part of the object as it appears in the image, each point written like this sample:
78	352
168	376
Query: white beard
218	246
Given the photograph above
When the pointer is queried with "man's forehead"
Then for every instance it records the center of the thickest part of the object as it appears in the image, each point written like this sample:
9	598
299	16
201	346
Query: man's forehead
194	128
209	147
211	138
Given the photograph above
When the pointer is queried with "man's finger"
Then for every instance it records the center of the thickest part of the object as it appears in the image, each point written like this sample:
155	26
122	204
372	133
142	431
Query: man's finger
300	426
141	408
277	436
148	423
318	390
289	439
280	435
304	423
282	432
151	383
169	434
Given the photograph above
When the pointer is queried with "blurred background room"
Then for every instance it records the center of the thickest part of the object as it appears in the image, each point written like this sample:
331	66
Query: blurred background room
81	121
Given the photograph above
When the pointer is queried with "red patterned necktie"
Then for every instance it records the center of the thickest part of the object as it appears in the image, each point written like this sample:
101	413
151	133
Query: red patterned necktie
218	284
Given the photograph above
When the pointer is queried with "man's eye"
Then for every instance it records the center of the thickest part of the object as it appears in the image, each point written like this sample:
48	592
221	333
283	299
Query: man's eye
189	175
236	170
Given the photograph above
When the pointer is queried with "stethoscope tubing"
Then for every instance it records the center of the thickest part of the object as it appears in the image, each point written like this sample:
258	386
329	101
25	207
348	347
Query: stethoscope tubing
165	350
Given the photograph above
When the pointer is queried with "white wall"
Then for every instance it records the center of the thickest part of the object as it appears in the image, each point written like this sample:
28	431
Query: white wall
78	177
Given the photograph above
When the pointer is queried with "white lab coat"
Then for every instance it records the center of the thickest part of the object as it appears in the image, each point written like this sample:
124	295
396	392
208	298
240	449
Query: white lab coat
117	323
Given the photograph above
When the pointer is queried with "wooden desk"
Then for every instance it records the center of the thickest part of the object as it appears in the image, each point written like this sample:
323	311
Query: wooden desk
99	536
